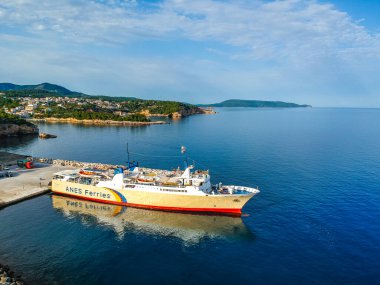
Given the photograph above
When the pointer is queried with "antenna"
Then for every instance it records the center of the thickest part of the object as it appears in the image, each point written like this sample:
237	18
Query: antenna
183	151
128	155
133	164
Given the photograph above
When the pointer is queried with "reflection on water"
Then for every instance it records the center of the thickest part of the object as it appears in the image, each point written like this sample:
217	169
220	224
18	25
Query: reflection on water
188	227
17	141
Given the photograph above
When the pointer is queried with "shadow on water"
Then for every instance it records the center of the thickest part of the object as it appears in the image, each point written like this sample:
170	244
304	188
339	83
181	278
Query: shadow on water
17	141
190	228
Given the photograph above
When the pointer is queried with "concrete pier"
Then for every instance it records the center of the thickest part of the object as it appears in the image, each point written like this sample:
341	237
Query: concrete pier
26	183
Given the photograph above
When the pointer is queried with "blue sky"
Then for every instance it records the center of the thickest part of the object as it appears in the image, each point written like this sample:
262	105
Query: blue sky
323	53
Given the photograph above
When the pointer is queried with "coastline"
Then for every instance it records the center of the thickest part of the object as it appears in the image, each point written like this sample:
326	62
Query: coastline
96	122
176	115
182	113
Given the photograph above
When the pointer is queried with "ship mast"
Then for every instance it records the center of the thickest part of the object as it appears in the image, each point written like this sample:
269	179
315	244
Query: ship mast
183	151
132	164
128	155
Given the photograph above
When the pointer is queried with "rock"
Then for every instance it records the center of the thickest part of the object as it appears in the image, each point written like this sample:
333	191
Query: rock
8	277
46	136
17	130
193	111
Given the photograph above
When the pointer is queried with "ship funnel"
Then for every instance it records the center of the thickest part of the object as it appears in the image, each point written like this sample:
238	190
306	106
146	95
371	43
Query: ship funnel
186	173
118	180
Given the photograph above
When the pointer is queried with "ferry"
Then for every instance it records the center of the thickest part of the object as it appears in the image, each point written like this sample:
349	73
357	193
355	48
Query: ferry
182	191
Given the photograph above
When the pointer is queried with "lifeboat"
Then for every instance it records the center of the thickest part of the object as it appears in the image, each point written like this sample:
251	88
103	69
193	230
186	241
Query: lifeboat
144	180
86	172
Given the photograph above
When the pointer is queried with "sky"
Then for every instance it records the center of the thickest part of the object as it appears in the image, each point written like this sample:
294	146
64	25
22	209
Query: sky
318	52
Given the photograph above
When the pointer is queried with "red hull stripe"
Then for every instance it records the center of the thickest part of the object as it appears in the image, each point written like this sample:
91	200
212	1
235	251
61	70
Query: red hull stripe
176	209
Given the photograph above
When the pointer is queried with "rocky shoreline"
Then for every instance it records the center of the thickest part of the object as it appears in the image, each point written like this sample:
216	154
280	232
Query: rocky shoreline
97	122
182	113
8	130
76	164
175	115
8	277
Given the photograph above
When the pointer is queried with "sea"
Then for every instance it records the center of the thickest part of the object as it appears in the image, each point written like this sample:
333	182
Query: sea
315	221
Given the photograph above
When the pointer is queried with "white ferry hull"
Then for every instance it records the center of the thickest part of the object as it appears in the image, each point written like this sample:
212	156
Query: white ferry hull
224	204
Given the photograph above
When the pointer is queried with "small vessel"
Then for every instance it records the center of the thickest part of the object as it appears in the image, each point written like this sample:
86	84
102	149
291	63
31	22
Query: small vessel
187	190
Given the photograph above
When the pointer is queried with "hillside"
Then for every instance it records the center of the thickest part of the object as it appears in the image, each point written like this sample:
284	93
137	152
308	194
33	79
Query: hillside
254	104
50	101
47	90
43	86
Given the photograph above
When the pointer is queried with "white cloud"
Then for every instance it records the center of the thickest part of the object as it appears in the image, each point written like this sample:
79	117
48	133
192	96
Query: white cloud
304	46
274	29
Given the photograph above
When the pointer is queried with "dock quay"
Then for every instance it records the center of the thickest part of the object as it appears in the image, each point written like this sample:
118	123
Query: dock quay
18	184
26	183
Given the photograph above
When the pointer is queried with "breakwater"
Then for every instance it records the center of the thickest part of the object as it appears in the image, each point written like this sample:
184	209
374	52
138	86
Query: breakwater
71	164
75	164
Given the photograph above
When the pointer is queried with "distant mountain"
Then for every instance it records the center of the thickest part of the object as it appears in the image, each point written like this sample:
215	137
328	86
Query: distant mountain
48	89
254	103
43	86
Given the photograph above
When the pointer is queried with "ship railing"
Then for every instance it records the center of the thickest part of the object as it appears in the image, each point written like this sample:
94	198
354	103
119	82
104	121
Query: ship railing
233	189
245	189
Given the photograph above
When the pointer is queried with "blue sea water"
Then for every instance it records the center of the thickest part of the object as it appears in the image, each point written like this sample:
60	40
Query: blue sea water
316	220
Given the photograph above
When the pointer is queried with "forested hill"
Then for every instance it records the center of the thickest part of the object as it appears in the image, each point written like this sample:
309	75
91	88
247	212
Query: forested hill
50	100
254	103
39	87
47	90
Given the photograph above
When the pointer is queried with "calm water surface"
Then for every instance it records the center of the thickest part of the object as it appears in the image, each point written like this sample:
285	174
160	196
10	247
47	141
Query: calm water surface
316	220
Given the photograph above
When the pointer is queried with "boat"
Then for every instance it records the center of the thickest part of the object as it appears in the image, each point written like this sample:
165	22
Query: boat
183	191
